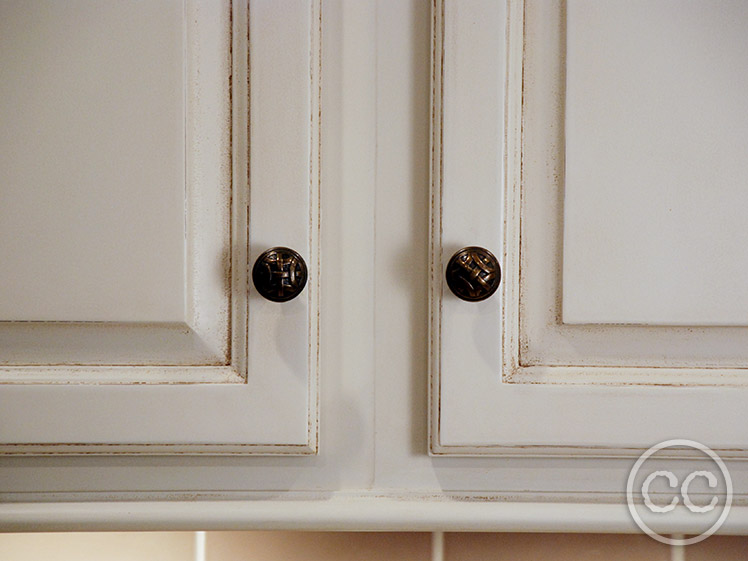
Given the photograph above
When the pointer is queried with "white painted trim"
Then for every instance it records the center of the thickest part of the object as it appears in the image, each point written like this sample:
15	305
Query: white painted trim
677	552
95	449
200	549
540	348
211	189
341	513
92	352
123	375
435	223
437	546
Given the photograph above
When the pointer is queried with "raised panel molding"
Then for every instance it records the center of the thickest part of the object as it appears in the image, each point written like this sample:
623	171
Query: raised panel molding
539	346
240	374
209	345
500	383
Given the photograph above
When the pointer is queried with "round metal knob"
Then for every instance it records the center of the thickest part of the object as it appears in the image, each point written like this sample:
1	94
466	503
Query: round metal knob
473	274
279	274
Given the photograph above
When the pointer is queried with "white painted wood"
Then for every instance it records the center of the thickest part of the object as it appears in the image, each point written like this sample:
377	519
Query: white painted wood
605	406
264	370
437	546
680	355
345	457
199	548
373	470
92	166
148	221
467	150
654	125
403	163
343	512
284	153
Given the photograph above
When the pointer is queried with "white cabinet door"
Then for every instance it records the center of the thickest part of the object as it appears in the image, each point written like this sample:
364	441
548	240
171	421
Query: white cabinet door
150	153
615	197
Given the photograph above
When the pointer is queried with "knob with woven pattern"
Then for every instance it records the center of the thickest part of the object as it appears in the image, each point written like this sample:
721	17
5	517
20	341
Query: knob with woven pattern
473	274
279	274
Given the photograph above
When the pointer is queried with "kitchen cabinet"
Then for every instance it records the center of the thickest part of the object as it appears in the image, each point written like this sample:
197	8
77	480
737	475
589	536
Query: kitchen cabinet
620	324
128	326
382	138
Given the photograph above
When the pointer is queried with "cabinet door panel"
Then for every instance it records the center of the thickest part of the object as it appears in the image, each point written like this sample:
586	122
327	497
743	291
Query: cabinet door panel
654	191
136	140
92	165
572	357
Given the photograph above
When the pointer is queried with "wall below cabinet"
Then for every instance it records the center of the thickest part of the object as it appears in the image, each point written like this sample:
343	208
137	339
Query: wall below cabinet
355	546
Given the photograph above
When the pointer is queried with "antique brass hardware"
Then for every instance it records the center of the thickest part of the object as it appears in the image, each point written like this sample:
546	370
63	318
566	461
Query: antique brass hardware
279	274
473	274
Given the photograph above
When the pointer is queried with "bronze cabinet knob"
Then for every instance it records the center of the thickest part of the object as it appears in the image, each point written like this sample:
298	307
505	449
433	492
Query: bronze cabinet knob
473	274
279	274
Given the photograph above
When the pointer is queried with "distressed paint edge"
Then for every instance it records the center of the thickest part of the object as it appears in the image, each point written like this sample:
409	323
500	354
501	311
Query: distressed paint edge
124	375
210	185
89	449
315	237
513	138
628	376
210	370
435	224
564	452
522	367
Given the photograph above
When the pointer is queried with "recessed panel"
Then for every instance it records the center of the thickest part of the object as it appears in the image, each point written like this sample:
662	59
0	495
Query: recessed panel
92	160
656	179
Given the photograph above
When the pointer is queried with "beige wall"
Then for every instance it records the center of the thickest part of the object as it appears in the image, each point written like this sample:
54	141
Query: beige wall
105	546
363	546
